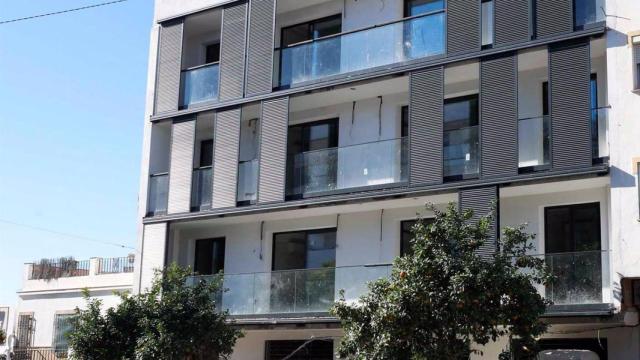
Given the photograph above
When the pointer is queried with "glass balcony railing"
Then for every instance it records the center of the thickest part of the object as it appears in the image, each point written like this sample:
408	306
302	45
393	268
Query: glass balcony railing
199	84
247	182
370	164
294	291
158	194
461	152
600	133
534	141
578	277
413	38
201	189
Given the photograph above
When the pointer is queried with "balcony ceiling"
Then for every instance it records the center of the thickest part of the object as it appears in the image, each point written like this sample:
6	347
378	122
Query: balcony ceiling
292	5
204	23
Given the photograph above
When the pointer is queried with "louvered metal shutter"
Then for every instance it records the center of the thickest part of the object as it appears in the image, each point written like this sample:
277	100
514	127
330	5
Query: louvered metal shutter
481	201
260	50
554	17
169	64
426	102
154	243
569	79
511	21
463	26
181	167
225	163
232	51
499	116
273	150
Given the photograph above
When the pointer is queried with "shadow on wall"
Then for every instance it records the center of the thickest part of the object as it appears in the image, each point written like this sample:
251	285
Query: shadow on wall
621	178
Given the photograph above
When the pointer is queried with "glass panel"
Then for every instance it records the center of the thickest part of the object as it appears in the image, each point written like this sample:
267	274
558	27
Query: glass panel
379	46
461	149
289	250
199	85
584	12
248	181
62	325
158	194
578	278
600	125
487	23
201	189
369	164
561	354
533	141
417	7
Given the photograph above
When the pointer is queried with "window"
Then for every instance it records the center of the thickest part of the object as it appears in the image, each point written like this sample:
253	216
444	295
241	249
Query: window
593	99
312	166
579	349
212	53
545	98
418	7
635	41
572	228
311	249
206	153
584	13
487	23
248	156
62	325
312	350
406	234
404	126
209	256
25	330
311	30
461	142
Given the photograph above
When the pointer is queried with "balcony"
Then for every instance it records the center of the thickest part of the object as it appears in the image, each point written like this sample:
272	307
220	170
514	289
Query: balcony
368	165
199	85
600	134
294	291
201	188
248	182
47	269
383	45
158	194
578	277
533	143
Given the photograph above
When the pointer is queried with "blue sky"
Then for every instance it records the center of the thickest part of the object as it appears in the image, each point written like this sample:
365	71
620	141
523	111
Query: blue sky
72	90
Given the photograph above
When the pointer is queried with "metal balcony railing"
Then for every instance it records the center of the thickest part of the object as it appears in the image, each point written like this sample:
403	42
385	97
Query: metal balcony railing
201	188
199	84
47	269
381	45
116	265
356	166
158	194
577	277
248	182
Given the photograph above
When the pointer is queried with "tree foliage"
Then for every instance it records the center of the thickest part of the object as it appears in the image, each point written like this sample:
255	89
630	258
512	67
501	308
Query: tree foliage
3	337
173	320
445	300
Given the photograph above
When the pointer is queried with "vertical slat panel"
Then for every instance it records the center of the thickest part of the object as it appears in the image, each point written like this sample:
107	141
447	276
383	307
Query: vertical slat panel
181	168
481	201
499	116
232	51
569	74
554	17
153	254
225	163
169	63
426	126
511	21
260	49
463	26
273	150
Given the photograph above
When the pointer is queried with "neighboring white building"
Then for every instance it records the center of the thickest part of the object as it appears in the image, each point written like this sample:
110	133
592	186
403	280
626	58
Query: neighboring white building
291	143
52	290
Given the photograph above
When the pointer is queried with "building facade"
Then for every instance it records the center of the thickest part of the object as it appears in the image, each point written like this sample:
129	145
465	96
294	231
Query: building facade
291	144
52	290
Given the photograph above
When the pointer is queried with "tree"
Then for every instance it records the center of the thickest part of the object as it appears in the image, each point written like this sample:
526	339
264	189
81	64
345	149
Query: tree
444	299
3	337
173	320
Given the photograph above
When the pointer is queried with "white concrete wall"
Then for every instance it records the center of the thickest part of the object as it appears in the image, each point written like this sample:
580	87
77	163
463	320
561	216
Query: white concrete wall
624	132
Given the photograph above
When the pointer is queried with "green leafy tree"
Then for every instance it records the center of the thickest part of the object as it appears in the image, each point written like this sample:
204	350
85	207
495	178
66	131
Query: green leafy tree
3	337
445	300
173	320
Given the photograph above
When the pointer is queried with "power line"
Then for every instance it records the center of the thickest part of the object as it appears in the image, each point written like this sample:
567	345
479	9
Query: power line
61	12
80	237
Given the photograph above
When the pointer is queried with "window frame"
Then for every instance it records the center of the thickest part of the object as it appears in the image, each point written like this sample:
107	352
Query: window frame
55	335
492	22
572	207
306	244
214	240
463	98
310	29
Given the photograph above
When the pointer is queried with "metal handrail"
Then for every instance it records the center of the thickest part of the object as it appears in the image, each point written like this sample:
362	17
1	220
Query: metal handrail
201	66
355	145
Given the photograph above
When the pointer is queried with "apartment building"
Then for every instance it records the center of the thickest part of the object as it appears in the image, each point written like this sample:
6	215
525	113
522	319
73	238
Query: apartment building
291	144
51	291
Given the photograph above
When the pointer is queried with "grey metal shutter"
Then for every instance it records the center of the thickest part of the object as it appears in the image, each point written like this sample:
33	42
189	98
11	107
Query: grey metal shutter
273	150
169	66
260	49
569	85
481	200
499	116
232	51
511	21
426	103
554	17
152	257
181	167
463	26
225	162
